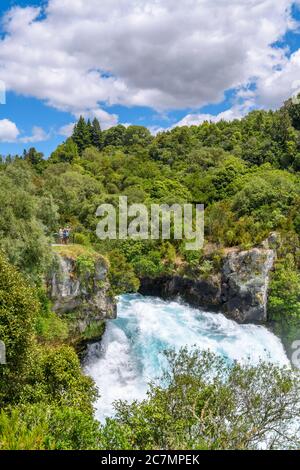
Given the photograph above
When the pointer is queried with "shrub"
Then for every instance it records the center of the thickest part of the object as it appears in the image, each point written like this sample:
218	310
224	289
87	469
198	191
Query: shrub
121	274
18	313
202	403
50	427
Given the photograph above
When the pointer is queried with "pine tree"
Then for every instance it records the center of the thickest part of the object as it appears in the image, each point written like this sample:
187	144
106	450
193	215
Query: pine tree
33	156
82	135
97	137
293	108
89	131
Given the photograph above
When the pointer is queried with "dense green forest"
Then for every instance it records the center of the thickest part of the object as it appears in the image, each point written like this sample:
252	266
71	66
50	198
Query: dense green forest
247	174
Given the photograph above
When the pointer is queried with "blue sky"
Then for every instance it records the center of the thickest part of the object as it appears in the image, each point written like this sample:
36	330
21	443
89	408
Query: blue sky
158	65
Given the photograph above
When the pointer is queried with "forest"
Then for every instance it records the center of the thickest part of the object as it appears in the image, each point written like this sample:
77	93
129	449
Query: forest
247	175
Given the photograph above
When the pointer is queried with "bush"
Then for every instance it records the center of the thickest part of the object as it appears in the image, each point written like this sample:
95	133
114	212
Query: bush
22	222
204	403
82	239
121	274
284	301
18	314
145	267
55	376
40	427
49	327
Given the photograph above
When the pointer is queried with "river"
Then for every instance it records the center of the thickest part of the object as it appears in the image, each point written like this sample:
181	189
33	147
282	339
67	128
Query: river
129	355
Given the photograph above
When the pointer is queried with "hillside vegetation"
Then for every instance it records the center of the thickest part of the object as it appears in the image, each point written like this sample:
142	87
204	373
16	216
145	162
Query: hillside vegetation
246	173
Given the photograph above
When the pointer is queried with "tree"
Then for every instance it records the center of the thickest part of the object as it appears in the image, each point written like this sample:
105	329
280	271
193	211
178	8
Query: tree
138	135
33	156
55	376
115	136
121	274
266	190
97	138
293	108
18	310
89	130
204	403
82	134
284	300
47	427
76	194
66	152
23	213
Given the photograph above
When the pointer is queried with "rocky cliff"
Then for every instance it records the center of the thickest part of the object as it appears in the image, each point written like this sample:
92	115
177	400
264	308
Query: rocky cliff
197	292
245	282
80	292
240	289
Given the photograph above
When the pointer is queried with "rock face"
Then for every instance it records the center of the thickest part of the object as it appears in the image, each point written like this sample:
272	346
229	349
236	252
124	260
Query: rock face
240	290
245	281
83	298
199	293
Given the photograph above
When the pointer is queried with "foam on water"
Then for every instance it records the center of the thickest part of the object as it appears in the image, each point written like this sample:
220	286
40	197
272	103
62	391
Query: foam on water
129	355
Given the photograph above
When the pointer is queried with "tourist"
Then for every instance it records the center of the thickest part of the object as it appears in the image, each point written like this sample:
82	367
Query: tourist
66	235
61	236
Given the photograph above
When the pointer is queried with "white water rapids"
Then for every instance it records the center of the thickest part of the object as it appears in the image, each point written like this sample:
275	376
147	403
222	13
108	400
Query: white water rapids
129	355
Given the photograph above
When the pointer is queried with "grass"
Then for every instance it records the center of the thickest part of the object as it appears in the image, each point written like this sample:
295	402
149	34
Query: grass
74	251
94	331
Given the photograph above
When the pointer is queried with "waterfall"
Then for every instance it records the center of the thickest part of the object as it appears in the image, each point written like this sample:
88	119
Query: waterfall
129	355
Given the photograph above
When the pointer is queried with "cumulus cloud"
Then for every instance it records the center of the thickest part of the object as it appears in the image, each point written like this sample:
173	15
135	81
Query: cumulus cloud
163	54
2	92
282	84
67	130
38	135
236	112
8	131
107	120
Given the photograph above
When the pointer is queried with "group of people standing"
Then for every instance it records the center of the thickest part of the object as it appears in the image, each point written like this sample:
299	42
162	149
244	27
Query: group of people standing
64	235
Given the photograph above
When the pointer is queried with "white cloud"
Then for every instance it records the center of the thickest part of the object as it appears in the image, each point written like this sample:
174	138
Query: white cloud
245	103
2	92
282	84
107	120
38	135
8	131
236	112
67	130
162	54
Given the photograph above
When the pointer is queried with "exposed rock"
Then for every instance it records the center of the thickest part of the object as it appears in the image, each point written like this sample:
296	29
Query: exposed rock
272	242
199	293
84	299
245	281
240	290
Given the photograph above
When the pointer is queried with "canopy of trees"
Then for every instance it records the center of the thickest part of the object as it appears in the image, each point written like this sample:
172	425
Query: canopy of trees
247	173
